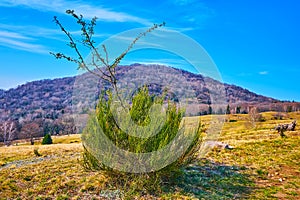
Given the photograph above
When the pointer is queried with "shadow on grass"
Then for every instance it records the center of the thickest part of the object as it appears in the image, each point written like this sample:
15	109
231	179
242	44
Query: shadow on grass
207	180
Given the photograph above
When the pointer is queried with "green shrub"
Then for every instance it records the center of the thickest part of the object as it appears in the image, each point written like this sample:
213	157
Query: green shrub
140	113
47	139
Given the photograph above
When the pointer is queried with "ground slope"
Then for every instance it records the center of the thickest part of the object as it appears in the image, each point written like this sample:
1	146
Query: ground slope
262	165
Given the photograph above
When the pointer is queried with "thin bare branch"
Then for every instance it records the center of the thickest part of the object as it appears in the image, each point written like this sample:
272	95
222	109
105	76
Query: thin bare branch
106	54
72	43
118	59
87	29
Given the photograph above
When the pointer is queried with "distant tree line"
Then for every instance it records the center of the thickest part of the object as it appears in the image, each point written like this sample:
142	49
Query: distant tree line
245	109
29	129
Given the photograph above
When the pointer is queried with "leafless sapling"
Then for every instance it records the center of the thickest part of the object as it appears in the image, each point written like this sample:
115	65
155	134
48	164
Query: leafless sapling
7	131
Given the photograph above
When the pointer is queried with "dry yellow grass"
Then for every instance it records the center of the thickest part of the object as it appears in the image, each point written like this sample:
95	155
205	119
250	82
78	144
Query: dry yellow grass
261	166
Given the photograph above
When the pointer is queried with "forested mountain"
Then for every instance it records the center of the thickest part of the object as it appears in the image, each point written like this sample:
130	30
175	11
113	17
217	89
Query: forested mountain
44	106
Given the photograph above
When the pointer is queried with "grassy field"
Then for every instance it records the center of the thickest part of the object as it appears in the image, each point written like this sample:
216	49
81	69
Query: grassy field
262	165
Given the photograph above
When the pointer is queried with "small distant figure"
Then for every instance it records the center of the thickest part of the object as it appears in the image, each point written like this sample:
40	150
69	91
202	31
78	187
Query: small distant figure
220	145
227	146
281	128
292	126
31	140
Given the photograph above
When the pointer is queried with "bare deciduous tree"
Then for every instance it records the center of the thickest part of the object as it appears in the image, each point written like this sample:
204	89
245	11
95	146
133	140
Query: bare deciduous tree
8	129
253	117
31	129
69	125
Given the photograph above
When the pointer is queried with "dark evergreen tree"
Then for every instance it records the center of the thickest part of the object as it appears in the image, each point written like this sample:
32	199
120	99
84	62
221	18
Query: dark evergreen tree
47	139
228	110
238	110
210	110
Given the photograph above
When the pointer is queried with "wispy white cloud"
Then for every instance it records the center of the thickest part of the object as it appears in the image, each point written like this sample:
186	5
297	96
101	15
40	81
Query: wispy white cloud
21	45
263	72
244	74
185	29
88	10
13	37
9	34
29	32
28	38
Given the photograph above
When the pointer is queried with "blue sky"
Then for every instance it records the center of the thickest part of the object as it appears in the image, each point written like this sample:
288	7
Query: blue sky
255	44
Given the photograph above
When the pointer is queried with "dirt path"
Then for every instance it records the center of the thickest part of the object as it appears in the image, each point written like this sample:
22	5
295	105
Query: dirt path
20	163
